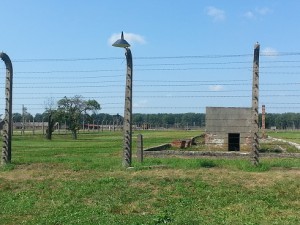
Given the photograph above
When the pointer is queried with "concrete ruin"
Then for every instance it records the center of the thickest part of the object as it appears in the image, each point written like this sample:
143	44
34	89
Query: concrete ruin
228	128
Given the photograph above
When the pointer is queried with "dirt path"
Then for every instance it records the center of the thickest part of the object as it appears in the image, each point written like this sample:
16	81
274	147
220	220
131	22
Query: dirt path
296	145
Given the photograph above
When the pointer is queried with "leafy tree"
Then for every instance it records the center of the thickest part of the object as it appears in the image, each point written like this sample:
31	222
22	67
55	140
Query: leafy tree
168	119
17	117
50	128
28	117
72	109
38	117
138	119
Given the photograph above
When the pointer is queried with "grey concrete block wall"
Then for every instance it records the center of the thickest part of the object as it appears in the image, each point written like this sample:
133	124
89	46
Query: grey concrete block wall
221	121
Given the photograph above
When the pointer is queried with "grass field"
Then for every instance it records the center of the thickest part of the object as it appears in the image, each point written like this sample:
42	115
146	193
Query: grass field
82	182
293	136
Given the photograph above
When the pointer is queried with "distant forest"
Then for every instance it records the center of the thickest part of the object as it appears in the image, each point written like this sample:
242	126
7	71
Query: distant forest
282	120
168	120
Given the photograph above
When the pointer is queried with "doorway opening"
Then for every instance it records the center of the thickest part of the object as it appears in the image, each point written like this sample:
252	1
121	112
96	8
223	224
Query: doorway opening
233	142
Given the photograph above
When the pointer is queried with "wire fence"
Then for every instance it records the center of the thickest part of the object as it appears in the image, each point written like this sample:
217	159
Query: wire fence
175	83
168	84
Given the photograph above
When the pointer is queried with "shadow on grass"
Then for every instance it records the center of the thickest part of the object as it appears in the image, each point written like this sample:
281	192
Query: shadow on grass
208	164
179	163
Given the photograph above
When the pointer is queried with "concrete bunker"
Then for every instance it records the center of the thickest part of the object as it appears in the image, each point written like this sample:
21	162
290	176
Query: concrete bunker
228	128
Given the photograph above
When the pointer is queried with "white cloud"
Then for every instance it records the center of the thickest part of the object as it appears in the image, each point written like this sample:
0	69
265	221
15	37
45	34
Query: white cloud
215	13
257	12
216	87
269	52
130	37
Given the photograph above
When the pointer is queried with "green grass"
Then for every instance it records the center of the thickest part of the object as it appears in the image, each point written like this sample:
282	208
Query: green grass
293	136
82	182
280	146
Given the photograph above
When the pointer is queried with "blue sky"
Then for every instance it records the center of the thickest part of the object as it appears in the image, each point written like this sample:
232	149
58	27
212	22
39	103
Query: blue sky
187	54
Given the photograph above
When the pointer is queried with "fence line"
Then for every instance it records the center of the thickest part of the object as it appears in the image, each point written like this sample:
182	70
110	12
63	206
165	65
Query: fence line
161	84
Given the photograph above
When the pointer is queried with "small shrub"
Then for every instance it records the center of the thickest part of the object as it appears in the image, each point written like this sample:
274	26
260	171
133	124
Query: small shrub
208	164
162	218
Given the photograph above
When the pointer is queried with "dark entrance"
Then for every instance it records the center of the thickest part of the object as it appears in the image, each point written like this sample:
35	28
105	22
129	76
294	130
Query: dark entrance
234	142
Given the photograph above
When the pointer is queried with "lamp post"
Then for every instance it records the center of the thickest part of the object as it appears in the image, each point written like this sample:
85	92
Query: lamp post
127	142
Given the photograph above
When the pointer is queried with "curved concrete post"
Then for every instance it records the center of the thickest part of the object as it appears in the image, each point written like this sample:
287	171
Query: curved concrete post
127	151
7	128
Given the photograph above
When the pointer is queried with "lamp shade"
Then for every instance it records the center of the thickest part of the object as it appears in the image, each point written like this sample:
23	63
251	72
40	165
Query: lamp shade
121	43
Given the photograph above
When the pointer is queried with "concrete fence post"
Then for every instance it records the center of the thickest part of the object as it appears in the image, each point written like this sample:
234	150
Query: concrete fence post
127	125
255	98
33	127
263	121
140	148
7	128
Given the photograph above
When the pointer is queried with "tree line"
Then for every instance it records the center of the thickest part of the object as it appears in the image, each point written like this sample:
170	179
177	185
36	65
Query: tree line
153	120
176	120
282	120
76	111
278	120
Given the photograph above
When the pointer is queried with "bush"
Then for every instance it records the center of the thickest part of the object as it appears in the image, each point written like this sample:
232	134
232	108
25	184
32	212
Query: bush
208	164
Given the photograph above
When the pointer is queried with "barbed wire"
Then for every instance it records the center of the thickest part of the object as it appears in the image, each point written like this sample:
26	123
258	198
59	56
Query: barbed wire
263	54
149	85
105	83
154	69
278	85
